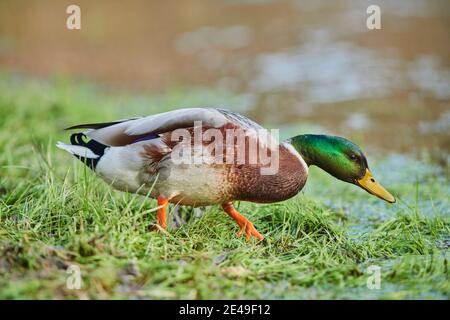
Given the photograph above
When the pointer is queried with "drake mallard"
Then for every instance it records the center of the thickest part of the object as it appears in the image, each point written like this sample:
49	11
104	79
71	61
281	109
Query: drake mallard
142	155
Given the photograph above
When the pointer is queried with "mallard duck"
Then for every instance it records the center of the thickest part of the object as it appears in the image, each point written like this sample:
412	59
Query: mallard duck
142	155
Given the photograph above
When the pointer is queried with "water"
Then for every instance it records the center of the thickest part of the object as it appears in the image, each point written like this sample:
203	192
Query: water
292	63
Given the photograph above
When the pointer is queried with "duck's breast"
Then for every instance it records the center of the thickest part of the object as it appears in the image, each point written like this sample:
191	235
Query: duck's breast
250	184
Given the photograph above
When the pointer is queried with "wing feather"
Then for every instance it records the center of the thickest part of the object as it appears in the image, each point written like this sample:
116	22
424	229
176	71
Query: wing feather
119	133
123	133
182	118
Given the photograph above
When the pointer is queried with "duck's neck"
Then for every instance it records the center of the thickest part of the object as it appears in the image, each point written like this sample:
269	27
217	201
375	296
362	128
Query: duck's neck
314	149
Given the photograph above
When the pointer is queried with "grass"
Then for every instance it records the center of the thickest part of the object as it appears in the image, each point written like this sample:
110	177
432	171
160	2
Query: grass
55	214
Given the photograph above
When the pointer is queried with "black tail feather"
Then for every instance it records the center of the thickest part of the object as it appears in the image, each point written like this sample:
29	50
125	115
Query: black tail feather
95	146
97	125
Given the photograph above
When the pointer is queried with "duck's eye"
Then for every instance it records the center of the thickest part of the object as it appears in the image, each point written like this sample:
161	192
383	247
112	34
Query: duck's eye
353	156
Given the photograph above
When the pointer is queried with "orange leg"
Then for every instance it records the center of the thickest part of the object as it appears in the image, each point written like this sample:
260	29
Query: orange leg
244	224
161	217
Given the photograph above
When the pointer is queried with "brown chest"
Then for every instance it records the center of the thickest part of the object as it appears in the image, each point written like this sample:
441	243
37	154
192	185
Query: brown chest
250	184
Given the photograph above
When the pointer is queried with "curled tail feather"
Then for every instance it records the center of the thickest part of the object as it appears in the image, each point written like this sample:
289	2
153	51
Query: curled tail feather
88	152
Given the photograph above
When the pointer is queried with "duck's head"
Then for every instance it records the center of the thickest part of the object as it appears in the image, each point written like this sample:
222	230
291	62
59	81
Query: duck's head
342	159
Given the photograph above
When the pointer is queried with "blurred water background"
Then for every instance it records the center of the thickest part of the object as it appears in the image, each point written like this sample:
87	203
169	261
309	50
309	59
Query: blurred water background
297	65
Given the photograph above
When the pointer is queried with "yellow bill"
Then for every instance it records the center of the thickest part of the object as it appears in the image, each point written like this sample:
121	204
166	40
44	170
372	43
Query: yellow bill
369	184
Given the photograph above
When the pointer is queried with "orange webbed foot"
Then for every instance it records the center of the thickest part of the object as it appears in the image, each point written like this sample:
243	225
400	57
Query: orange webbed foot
250	231
161	216
244	224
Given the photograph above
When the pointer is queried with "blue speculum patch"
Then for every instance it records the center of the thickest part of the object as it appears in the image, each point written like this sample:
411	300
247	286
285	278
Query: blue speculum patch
149	137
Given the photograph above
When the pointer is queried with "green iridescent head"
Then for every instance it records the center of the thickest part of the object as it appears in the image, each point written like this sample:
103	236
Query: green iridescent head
342	159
